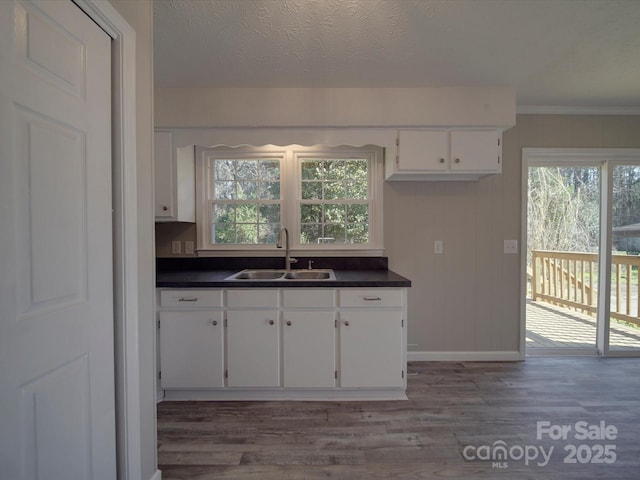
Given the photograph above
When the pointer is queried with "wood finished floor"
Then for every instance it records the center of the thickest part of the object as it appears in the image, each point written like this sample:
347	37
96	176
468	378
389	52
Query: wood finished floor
451	406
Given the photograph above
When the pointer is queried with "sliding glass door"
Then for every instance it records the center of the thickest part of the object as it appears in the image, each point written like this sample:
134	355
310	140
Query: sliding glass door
624	316
582	226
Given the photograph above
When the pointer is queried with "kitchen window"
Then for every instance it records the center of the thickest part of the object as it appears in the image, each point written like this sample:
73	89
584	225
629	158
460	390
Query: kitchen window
329	198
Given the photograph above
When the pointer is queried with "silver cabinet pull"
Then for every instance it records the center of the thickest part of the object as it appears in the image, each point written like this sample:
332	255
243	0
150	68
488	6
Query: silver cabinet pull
442	160
289	322
346	323
457	160
372	299
271	322
192	299
214	323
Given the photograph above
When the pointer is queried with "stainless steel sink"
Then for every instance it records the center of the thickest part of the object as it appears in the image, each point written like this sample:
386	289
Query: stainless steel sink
310	275
257	275
284	275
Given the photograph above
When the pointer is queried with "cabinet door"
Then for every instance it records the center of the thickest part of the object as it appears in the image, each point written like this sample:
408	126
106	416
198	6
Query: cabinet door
165	202
371	349
476	150
308	349
423	150
191	349
253	348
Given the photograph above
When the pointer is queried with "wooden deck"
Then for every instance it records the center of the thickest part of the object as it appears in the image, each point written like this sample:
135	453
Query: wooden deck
549	326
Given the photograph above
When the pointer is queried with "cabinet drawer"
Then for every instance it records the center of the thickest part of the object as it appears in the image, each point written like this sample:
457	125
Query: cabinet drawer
191	298
300	298
255	298
370	297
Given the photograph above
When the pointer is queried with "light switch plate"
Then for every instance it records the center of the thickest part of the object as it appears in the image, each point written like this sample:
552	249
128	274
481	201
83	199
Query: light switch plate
175	247
188	247
438	248
510	246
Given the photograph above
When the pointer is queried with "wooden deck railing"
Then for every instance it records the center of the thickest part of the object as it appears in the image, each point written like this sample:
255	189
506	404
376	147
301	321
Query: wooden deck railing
569	279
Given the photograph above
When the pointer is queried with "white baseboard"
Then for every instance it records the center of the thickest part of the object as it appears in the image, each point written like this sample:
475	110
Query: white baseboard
156	476
492	356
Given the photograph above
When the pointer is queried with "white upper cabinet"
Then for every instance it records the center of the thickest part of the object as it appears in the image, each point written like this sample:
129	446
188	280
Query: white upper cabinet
174	180
429	154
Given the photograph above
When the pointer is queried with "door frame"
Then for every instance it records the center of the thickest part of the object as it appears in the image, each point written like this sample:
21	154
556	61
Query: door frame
608	158
125	237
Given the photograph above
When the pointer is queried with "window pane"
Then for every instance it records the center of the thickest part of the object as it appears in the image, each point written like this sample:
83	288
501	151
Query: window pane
334	213
269	190
269	170
334	169
246	170
333	190
312	190
247	213
356	189
356	170
224	213
357	233
268	232
357	213
247	190
310	213
310	233
224	170
336	232
225	190
247	233
312	170
270	213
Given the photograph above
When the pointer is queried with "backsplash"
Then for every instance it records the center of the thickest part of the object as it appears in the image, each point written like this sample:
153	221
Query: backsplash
240	263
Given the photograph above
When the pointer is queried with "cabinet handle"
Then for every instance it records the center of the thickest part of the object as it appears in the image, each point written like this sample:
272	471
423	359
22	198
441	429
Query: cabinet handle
346	323
214	323
457	160
271	322
373	299
289	322
442	160
193	299
164	208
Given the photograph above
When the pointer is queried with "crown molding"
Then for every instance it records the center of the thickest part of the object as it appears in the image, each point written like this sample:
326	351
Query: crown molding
563	110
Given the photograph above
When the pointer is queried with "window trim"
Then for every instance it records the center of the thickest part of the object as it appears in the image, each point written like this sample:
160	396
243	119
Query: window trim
290	178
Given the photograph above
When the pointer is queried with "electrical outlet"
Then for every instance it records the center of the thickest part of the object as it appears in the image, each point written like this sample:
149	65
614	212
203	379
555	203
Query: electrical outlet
438	248
510	246
176	247
188	247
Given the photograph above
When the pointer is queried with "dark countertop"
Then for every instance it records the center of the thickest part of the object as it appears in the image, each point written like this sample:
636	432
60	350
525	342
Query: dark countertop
212	272
216	279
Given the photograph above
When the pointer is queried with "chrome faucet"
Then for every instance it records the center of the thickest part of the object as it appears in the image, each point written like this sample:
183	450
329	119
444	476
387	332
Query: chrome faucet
287	257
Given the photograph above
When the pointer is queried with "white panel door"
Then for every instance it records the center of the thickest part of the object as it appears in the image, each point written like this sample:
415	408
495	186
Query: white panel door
423	150
371	348
253	348
475	150
191	349
309	352
56	302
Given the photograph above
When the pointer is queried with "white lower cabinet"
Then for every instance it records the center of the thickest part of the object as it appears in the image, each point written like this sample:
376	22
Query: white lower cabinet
253	348
291	343
371	353
191	349
308	347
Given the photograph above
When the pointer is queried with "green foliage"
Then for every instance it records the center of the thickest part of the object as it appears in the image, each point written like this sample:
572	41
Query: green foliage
334	205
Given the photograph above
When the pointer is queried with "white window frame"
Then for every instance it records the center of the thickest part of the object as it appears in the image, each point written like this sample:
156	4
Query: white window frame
290	178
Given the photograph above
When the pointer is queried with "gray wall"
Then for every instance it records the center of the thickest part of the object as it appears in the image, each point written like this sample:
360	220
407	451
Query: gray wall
464	304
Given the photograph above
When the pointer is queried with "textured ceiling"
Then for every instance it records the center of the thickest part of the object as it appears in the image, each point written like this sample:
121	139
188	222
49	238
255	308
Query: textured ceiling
583	53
